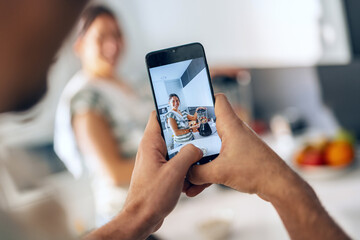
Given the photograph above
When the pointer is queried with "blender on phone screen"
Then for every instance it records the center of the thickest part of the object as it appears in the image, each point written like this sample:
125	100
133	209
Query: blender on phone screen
202	117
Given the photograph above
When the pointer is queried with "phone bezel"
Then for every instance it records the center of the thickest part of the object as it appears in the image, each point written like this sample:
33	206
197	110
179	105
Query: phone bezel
172	55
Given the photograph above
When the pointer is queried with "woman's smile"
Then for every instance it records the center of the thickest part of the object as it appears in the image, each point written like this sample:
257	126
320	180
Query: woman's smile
175	103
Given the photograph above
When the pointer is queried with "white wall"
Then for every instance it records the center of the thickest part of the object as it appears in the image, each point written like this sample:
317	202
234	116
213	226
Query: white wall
165	87
160	93
175	86
250	33
197	91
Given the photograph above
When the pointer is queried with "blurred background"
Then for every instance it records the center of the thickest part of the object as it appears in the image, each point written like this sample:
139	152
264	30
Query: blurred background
290	69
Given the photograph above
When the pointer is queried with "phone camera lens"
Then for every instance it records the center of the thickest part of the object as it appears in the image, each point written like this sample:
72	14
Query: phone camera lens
173	50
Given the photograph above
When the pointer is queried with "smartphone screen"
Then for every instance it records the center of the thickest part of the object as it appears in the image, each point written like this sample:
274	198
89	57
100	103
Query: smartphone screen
184	99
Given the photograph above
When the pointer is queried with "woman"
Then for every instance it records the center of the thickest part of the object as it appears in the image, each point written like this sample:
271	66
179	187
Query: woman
100	119
179	121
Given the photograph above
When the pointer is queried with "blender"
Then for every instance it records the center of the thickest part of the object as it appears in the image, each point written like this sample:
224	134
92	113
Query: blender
204	129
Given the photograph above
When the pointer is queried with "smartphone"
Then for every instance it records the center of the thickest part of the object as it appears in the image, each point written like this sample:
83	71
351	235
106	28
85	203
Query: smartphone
184	99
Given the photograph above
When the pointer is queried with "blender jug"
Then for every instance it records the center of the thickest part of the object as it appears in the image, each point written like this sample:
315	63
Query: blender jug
204	129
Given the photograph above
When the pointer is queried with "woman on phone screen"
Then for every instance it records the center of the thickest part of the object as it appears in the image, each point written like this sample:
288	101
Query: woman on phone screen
179	121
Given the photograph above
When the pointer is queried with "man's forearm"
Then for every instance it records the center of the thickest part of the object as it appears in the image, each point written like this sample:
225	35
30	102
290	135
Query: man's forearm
301	211
125	226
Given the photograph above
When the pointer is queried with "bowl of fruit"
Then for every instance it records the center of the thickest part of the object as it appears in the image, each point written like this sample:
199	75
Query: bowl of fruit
326	156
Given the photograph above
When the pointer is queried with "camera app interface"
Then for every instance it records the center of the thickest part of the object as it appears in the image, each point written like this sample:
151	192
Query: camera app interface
185	106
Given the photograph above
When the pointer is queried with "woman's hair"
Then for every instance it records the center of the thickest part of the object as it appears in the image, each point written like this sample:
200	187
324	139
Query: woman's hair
90	14
173	95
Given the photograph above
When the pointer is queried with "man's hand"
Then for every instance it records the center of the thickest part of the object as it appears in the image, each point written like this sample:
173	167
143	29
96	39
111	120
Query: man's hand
245	162
155	187
156	184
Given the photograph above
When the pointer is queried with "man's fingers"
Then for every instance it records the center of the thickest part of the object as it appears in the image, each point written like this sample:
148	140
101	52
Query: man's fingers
186	186
187	156
194	190
203	174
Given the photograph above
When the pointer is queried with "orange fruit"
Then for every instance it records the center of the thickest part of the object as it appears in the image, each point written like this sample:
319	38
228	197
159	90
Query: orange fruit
339	153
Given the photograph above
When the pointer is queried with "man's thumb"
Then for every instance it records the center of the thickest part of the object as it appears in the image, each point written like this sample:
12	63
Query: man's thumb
187	156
